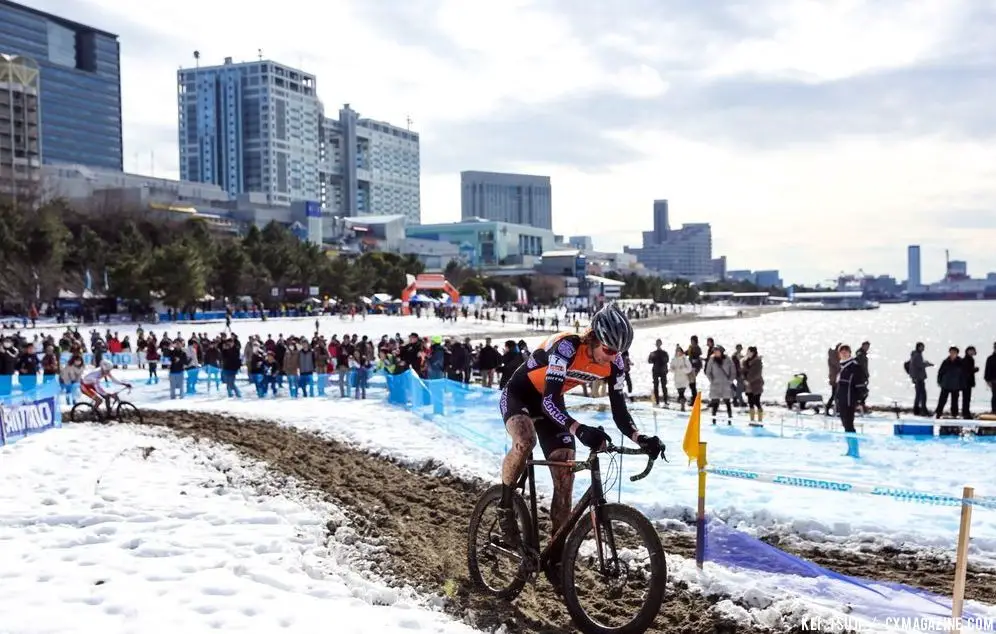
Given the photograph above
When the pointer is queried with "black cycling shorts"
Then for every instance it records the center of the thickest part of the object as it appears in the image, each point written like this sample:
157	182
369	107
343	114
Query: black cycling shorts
550	434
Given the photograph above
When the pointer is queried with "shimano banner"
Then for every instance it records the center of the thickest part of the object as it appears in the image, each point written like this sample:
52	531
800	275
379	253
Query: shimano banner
28	415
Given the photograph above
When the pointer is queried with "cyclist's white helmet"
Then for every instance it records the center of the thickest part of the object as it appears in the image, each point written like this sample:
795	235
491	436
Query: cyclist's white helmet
106	366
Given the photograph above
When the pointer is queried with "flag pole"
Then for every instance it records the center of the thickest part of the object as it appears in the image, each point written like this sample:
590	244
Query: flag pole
700	519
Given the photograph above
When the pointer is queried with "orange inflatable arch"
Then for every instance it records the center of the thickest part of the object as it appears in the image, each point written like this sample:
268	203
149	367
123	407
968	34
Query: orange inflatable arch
427	282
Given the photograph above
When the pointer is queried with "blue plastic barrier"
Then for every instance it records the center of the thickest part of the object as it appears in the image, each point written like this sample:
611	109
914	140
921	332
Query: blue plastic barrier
30	413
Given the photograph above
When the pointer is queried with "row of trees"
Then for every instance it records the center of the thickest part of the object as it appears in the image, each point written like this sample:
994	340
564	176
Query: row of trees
142	257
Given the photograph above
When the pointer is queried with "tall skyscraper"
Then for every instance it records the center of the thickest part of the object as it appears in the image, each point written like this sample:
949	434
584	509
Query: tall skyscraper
251	127
20	145
662	224
684	252
370	168
79	87
913	269
516	198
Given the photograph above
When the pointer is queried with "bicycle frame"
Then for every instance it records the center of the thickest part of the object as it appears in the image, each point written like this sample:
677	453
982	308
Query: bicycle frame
593	497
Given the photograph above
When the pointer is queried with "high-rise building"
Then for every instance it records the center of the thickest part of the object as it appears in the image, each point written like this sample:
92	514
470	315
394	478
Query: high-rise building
515	198
79	84
370	168
251	127
684	252
913	270
20	145
662	224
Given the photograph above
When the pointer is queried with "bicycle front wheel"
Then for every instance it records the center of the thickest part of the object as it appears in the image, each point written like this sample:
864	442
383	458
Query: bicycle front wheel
614	577
128	413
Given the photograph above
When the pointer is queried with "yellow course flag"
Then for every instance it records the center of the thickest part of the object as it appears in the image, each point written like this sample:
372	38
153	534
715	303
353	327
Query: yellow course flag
691	442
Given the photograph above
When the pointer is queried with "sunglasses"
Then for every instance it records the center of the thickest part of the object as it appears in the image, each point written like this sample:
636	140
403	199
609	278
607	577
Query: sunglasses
609	351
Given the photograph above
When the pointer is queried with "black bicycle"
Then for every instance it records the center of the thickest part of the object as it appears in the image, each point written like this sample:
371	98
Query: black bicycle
90	412
610	543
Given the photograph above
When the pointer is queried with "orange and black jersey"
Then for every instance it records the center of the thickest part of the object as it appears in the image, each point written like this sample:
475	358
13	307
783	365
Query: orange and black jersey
561	363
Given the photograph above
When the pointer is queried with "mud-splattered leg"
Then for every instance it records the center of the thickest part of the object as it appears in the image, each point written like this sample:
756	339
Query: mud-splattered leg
523	434
563	489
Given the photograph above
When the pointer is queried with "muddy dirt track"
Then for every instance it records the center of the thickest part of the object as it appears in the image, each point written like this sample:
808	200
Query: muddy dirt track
423	518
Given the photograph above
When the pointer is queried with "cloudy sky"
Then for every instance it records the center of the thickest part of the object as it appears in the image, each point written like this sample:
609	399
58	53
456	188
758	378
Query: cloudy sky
816	136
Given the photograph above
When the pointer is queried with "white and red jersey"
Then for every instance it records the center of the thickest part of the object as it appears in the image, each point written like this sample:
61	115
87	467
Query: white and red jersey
94	380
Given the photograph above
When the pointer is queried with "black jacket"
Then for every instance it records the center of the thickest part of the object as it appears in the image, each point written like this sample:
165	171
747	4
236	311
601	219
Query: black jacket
231	358
950	376
989	376
8	361
28	364
489	358
852	383
658	359
968	370
178	361
509	362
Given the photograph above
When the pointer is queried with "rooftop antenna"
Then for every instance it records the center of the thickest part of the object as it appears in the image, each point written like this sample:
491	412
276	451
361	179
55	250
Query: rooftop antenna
259	52
408	120
197	59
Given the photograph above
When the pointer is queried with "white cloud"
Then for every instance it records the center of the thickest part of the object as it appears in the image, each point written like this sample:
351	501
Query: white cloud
827	40
812	209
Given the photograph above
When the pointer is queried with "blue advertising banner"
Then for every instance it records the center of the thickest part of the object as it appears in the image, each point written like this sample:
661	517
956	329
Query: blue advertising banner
312	209
30	413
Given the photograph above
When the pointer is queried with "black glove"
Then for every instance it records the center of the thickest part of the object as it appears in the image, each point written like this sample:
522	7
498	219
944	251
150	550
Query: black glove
651	444
593	438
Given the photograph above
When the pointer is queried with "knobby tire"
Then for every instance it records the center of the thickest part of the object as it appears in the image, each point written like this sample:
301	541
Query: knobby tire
645	617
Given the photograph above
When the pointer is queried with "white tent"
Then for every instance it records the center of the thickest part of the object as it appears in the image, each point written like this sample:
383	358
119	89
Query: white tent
381	298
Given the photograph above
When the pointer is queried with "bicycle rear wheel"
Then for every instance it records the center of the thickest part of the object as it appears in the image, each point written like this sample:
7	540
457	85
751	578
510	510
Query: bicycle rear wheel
627	587
128	413
493	567
85	412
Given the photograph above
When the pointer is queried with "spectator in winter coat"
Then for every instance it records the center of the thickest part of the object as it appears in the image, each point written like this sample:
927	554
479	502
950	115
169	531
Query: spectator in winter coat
989	376
950	379
292	366
659	360
752	371
968	371
851	385
511	360
488	361
178	363
231	363
918	374
437	359
152	357
50	365
342	356
721	374
306	367
70	377
833	371
739	386
862	358
681	372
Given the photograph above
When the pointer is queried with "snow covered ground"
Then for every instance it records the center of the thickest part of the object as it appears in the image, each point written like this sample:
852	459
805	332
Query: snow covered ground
118	529
471	441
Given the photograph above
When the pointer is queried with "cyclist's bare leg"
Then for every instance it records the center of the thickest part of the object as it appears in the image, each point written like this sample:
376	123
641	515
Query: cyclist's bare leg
523	434
563	489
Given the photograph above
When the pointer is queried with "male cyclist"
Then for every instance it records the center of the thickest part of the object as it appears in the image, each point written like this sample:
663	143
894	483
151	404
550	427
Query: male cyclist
91	384
536	390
